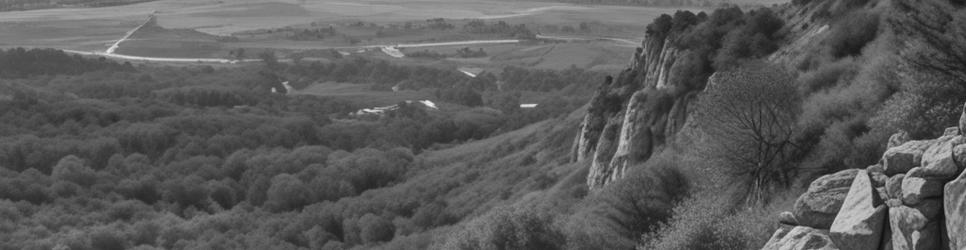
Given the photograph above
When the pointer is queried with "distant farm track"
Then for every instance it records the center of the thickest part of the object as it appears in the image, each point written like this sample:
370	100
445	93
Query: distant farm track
110	52
127	35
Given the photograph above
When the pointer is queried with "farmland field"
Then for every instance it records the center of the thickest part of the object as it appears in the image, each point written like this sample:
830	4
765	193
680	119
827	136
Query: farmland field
215	29
361	95
85	28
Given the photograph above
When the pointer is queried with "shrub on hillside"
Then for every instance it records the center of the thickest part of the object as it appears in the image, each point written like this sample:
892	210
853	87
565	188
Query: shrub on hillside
926	105
711	220
852	33
617	216
505	228
827	76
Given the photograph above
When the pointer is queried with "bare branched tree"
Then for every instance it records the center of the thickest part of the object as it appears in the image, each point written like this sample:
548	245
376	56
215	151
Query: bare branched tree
748	115
934	36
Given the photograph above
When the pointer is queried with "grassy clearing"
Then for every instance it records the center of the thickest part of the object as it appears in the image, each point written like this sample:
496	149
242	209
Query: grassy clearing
362	94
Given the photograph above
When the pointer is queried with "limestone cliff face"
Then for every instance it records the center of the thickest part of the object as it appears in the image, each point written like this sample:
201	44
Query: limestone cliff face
633	115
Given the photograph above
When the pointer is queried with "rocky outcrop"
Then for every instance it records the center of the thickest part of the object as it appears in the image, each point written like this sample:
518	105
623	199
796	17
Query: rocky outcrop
646	105
858	224
914	198
954	206
818	206
800	238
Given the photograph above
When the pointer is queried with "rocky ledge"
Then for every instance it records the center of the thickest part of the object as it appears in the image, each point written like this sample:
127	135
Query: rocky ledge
914	198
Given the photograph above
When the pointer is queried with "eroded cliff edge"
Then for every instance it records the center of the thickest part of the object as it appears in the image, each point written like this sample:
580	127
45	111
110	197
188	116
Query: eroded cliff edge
634	114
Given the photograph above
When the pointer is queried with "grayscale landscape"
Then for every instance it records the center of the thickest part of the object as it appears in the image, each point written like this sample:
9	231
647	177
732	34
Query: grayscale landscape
483	124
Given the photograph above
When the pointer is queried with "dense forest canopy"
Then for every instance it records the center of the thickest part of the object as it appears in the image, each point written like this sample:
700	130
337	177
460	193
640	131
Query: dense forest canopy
158	145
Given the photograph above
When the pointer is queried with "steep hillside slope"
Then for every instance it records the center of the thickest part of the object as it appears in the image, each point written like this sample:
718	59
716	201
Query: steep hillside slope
863	70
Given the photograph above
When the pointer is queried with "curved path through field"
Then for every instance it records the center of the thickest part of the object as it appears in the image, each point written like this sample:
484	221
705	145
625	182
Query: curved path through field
391	50
110	52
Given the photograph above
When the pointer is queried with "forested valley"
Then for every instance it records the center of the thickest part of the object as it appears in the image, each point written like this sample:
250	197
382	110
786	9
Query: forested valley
98	154
732	128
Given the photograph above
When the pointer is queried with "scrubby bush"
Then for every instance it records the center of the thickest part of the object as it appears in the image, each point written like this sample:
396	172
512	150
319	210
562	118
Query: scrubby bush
616	217
827	76
924	107
850	35
506	228
712	219
835	122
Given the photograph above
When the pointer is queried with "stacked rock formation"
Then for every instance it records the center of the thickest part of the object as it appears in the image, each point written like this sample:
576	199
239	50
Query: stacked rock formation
914	198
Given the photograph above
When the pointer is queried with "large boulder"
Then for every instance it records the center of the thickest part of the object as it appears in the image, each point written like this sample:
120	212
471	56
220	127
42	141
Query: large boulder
902	158
818	206
918	185
938	161
959	155
911	229
858	225
954	204
800	238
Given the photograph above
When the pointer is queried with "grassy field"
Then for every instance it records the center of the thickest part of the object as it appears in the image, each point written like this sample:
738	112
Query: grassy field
196	29
230	16
362	95
596	55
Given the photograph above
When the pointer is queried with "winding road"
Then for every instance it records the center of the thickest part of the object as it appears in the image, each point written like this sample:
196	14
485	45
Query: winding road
391	50
111	54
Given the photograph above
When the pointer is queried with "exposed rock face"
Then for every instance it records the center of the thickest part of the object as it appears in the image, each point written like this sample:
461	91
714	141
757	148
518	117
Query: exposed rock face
912	230
954	205
800	238
858	224
916	187
818	206
902	158
644	107
920	205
